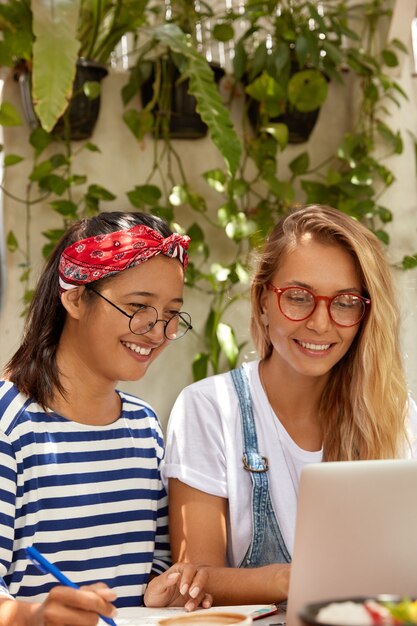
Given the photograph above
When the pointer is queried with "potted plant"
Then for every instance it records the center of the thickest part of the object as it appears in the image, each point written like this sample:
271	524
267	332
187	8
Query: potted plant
158	72
59	52
195	70
287	59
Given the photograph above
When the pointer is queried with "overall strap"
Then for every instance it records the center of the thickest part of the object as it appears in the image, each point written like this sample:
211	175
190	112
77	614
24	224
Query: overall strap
254	463
252	460
267	544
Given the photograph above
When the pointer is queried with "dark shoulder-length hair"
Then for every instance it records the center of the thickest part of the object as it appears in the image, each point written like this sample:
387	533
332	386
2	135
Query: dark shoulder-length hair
33	368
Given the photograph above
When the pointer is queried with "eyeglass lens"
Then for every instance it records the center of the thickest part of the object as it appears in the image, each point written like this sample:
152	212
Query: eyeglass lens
146	317
345	309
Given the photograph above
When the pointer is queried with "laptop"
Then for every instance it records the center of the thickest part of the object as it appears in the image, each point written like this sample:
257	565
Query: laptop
356	532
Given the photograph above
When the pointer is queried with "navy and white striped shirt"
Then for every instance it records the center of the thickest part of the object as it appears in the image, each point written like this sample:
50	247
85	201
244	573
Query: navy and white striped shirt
90	498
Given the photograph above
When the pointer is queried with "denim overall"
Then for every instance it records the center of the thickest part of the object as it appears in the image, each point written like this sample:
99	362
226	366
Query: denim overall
267	544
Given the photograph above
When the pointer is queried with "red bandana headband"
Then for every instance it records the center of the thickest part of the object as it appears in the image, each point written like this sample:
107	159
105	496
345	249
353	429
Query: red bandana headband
96	257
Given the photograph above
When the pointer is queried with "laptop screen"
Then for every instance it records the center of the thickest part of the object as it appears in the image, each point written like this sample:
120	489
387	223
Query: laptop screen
356	532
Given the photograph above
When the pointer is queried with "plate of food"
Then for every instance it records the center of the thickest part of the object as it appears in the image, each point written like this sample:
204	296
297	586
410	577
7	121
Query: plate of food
381	610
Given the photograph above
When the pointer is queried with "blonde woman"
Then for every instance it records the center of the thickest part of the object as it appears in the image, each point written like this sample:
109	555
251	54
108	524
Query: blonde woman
329	385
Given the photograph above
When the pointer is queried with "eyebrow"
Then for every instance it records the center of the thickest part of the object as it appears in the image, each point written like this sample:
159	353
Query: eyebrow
298	283
149	294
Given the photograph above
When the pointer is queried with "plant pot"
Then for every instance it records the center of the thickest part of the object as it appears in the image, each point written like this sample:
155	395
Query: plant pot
179	104
300	124
82	112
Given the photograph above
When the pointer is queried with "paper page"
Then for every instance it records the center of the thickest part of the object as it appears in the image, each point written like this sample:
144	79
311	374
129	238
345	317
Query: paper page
144	616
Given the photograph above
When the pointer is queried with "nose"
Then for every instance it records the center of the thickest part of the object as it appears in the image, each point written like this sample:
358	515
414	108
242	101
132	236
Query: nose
320	319
157	332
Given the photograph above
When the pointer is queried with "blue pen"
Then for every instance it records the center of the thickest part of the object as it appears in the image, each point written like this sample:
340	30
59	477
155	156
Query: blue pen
49	568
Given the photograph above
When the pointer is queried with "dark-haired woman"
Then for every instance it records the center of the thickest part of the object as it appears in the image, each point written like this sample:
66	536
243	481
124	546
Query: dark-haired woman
79	460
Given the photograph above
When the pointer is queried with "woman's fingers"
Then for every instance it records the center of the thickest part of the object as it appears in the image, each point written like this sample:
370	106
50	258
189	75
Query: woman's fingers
204	600
193	579
182	585
78	607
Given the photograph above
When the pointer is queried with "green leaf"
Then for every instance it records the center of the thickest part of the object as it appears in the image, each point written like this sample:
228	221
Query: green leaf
226	212
216	179
92	147
53	234
361	176
178	195
409	262
283	190
264	88
399	45
138	122
223	32
394	139
300	164
220	272
92	89
9	115
202	86
11	242
414	140
76	180
66	208
144	195
55	184
242	273
12	159
165	212
385	215
240	227
99	192
227	340
239	61
301	49
382	236
390	58
259	60
307	90
200	366
41	170
196	201
40	140
279	132
47	250
239	187
55	53
196	233
17	37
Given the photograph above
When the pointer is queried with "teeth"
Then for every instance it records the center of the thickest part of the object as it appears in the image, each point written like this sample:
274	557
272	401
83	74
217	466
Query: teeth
315	346
137	349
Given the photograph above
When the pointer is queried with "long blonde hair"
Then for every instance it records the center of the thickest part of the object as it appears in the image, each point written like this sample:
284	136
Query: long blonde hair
364	406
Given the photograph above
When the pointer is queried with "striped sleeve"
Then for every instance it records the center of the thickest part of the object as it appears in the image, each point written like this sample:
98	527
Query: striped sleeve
8	484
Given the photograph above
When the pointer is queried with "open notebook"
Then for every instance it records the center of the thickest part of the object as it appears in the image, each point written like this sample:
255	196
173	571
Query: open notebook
356	532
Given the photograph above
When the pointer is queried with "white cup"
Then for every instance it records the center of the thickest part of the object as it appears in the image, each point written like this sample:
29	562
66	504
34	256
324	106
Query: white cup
208	618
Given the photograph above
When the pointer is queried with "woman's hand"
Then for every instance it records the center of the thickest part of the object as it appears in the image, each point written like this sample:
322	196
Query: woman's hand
65	606
181	585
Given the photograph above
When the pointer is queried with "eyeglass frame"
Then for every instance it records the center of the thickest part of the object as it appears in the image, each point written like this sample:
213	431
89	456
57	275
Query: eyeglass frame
149	306
280	290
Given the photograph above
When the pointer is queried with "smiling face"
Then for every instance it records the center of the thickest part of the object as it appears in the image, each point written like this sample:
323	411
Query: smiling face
99	335
313	346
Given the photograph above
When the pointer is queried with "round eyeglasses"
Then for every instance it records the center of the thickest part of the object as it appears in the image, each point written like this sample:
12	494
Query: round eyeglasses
146	317
298	303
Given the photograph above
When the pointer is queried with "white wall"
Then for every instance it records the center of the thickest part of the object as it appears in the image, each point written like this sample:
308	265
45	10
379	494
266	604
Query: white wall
129	165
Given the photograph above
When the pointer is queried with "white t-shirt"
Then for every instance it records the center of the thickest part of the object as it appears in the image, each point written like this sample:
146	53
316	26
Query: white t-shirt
204	450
